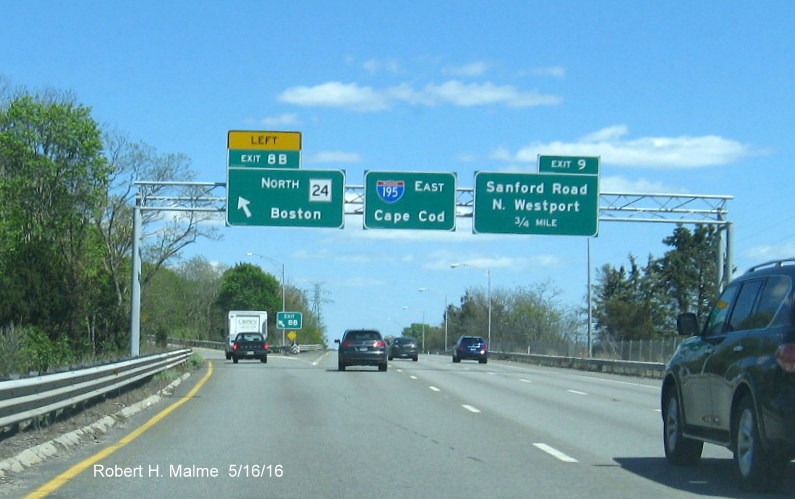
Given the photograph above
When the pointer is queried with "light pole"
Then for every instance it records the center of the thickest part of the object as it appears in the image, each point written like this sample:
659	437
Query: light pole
422	290
488	296
281	284
423	327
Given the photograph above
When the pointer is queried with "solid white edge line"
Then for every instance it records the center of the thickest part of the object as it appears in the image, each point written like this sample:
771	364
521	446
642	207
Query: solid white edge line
555	453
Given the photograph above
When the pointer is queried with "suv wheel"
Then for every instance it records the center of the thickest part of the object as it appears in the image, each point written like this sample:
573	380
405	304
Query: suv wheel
680	450
340	366
382	367
760	469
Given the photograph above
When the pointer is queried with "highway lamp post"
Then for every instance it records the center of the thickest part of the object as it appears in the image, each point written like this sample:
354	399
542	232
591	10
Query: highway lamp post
281	284
422	290
488	292
423	327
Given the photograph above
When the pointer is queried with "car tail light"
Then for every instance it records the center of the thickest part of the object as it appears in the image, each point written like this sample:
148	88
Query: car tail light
379	344
347	343
234	347
785	356
265	346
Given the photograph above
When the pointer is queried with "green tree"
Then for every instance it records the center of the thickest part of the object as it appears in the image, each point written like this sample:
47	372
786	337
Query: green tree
248	287
630	305
52	177
690	269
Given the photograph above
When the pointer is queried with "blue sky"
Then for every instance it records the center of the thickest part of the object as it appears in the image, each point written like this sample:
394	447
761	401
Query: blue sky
675	97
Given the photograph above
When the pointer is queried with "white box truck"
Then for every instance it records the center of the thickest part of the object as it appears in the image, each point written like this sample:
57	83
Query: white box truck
245	321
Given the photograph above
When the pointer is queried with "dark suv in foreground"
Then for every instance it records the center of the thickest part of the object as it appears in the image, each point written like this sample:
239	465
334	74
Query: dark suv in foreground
361	347
471	347
732	383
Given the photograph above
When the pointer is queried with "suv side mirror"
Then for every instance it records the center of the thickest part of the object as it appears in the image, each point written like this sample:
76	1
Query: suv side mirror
337	340
687	324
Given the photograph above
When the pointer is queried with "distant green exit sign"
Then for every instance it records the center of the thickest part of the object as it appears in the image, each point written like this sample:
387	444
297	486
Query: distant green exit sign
577	165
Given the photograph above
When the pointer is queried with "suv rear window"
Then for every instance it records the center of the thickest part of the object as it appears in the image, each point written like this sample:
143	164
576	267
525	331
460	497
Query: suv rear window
249	337
363	335
472	340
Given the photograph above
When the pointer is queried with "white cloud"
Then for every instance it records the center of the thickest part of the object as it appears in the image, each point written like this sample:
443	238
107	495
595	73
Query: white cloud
359	98
471	69
376	66
478	94
336	94
282	120
765	253
553	71
655	152
609	134
441	260
335	157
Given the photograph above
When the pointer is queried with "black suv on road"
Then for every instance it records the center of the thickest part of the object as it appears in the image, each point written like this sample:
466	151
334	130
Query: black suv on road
249	346
733	382
362	347
404	348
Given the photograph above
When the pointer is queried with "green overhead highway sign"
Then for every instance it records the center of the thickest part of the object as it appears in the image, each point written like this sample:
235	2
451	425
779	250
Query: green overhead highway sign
536	203
285	197
409	200
289	320
579	165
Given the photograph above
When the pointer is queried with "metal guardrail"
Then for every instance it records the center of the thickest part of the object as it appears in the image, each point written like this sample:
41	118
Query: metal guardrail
28	398
648	369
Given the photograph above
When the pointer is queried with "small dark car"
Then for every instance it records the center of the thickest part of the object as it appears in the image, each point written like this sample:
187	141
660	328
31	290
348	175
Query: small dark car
732	383
404	347
250	346
471	347
362	347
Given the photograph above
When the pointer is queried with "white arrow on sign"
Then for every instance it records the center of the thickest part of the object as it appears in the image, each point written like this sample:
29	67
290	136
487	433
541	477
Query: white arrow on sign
242	203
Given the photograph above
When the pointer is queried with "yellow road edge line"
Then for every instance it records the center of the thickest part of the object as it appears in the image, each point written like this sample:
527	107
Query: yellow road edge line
57	482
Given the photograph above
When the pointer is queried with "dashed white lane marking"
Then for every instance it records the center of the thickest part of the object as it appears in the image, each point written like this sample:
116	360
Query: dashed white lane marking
470	408
575	392
412	377
433	388
525	380
555	453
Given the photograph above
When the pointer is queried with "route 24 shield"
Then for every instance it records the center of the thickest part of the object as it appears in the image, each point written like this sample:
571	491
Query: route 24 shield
390	190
